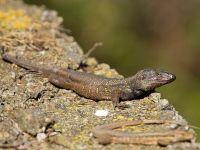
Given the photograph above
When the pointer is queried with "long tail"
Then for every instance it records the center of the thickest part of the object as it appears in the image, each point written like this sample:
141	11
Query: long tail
24	64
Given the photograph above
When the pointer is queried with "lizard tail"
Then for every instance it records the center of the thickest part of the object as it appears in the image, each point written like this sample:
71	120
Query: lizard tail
22	63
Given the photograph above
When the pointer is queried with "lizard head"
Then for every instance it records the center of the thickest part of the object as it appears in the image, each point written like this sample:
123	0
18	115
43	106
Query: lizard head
149	79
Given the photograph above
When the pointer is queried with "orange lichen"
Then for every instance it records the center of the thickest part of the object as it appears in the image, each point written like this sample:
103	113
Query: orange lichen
14	19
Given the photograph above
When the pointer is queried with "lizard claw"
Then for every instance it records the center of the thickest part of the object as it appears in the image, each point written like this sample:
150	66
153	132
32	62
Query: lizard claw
123	106
120	106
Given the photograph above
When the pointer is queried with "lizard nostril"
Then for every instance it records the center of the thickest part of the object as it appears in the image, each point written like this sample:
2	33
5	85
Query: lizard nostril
173	76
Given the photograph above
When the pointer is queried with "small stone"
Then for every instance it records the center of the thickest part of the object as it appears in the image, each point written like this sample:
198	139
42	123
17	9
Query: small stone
155	97
60	140
81	146
48	120
173	126
41	136
164	103
101	113
91	61
53	133
186	128
13	75
42	52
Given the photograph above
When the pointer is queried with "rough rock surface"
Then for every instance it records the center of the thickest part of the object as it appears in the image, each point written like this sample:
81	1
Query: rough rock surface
37	115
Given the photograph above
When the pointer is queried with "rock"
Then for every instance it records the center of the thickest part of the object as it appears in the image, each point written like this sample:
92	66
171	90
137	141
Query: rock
41	136
164	103
37	115
155	97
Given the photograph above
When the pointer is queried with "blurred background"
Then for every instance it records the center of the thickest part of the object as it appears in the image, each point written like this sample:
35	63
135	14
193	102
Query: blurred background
140	34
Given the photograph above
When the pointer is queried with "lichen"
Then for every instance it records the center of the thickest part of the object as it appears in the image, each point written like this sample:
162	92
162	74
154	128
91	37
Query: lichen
65	117
81	139
14	19
2	1
120	117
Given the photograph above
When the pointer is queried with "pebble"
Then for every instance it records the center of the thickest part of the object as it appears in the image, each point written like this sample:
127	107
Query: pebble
164	103
101	113
155	97
41	136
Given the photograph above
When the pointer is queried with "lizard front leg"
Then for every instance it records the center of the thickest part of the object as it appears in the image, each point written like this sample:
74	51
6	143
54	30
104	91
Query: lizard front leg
115	100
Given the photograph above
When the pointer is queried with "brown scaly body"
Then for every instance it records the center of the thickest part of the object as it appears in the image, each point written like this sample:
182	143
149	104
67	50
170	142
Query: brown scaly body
99	87
105	134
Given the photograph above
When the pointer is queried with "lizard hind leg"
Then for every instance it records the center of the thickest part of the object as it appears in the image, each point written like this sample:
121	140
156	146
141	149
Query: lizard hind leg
115	102
60	82
27	72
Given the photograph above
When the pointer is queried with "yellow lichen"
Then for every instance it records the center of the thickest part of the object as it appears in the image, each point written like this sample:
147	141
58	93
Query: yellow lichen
83	136
14	19
57	127
2	1
120	117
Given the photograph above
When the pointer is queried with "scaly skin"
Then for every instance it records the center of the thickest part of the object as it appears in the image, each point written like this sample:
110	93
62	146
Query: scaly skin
105	134
98	87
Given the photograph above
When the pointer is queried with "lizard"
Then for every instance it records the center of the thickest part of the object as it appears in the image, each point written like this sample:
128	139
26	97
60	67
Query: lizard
105	134
97	87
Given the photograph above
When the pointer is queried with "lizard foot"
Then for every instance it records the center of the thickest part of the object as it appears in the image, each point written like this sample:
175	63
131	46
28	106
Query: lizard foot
121	106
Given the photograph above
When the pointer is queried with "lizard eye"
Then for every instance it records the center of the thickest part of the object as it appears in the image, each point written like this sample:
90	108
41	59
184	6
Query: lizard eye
143	77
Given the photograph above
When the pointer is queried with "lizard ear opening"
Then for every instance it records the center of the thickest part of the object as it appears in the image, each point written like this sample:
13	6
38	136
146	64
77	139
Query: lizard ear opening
138	92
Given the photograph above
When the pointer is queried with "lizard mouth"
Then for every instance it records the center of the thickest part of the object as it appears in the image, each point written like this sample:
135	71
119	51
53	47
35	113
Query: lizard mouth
165	78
